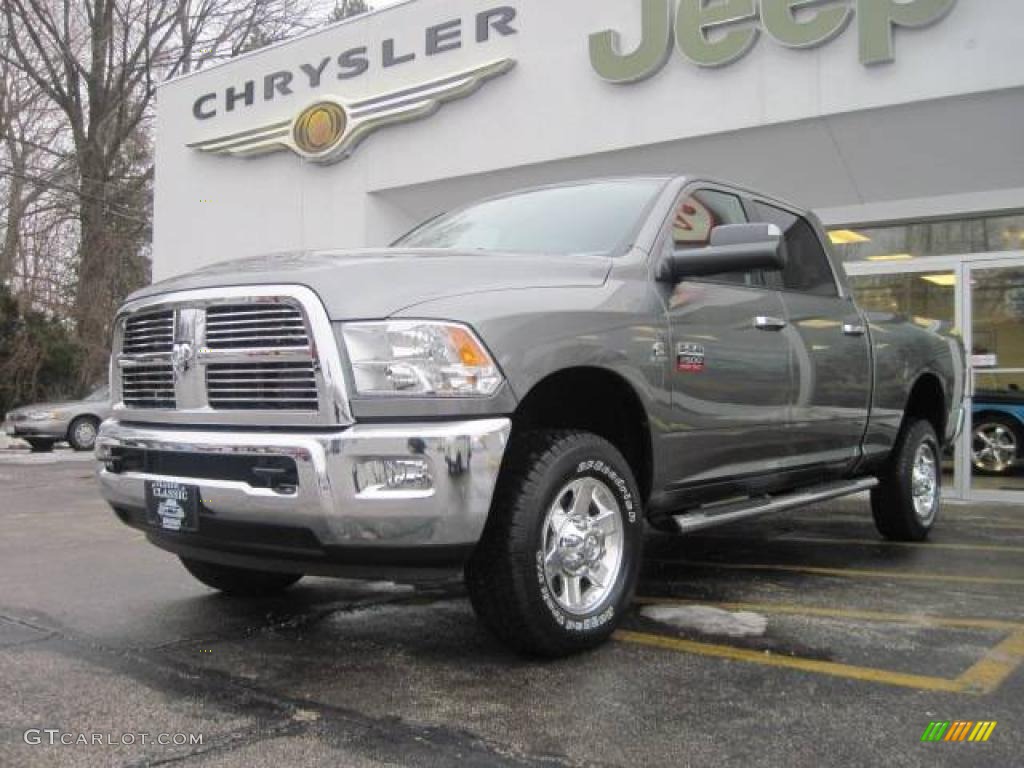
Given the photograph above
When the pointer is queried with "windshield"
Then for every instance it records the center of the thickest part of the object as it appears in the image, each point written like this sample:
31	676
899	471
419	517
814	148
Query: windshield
594	218
100	393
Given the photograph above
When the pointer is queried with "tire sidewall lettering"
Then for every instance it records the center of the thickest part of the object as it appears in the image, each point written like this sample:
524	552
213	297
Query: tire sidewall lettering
617	483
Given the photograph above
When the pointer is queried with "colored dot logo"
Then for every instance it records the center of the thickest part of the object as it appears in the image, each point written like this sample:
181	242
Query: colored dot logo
319	127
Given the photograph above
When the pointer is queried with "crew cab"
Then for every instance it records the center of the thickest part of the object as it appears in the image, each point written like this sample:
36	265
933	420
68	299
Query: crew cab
515	389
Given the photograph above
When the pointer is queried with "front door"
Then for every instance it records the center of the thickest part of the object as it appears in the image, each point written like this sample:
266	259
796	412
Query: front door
729	363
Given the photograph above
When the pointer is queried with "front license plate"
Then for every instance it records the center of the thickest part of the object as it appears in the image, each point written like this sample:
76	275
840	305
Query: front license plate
172	506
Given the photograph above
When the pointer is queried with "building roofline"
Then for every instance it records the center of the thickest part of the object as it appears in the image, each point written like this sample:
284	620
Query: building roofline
282	43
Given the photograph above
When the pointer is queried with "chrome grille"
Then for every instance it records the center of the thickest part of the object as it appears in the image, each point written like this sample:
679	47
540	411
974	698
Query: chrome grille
255	355
248	326
148	386
262	386
152	332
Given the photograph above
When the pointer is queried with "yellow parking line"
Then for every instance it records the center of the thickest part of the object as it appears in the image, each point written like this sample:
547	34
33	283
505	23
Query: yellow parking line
849	671
877	542
983	677
995	667
920	619
847	572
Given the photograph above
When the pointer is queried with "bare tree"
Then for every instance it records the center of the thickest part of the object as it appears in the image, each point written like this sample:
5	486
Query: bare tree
98	62
343	9
32	164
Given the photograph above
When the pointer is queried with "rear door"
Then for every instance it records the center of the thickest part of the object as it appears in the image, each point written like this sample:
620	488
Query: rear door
728	361
831	365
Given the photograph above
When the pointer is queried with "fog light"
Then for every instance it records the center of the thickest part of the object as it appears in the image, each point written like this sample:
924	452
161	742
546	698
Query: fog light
398	475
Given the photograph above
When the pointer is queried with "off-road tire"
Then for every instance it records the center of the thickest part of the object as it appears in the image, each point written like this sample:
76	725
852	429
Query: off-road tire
240	582
892	502
73	437
505	575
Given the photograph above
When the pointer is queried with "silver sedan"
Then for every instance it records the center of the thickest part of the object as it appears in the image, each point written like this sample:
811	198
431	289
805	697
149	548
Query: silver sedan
43	424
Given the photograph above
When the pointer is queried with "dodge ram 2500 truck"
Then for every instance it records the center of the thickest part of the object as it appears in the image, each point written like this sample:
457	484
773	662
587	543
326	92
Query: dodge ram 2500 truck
515	389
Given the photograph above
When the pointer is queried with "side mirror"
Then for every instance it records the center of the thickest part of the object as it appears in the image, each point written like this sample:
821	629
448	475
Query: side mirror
733	248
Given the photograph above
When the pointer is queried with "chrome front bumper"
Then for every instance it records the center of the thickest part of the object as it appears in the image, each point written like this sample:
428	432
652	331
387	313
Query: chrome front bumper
331	499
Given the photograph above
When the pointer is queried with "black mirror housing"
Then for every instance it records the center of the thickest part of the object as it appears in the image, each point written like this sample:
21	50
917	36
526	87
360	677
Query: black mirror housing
733	248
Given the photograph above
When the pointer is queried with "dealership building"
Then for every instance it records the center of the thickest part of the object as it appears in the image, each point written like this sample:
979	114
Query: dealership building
900	122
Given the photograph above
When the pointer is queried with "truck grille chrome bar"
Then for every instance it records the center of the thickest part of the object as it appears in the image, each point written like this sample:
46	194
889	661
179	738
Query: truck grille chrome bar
149	386
262	385
255	325
149	333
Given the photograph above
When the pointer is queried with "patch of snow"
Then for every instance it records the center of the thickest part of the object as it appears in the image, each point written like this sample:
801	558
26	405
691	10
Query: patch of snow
707	619
24	458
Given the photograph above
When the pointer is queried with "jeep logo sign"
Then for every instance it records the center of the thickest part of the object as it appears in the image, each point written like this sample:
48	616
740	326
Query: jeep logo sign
714	34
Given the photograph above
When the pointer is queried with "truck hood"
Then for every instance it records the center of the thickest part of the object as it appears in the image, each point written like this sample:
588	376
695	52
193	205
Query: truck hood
370	284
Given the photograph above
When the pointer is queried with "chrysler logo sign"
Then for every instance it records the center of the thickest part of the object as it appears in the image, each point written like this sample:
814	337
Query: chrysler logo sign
331	126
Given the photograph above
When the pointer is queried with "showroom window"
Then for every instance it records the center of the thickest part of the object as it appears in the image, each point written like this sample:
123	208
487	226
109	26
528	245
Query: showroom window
945	237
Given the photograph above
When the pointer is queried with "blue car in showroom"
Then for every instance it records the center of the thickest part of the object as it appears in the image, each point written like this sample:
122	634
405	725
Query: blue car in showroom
997	439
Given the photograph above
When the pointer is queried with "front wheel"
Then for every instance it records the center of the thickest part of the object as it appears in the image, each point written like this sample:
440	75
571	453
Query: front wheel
240	582
906	503
558	561
82	433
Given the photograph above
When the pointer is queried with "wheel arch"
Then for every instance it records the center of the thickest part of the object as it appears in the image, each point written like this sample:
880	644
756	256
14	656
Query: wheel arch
1009	415
598	400
927	400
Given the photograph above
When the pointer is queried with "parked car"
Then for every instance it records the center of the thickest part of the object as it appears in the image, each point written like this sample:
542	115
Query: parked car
997	437
42	425
516	388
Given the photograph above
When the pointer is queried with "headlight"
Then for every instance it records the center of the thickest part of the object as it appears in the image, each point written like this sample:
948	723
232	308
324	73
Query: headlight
419	358
42	415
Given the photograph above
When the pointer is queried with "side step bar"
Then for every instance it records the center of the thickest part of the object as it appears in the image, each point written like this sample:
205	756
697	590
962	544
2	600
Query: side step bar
763	505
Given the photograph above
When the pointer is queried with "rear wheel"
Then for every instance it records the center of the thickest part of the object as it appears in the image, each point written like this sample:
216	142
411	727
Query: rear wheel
996	442
82	433
40	444
906	503
558	561
239	581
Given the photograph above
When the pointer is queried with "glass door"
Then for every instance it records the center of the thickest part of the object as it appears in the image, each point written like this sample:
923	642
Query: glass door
995	341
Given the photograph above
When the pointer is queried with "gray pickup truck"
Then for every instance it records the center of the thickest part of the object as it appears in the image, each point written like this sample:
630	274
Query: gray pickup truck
513	390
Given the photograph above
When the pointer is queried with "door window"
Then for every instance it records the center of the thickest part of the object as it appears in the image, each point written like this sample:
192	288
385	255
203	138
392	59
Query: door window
807	267
699	213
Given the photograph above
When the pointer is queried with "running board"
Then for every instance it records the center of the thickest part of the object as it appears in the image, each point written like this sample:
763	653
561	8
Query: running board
707	517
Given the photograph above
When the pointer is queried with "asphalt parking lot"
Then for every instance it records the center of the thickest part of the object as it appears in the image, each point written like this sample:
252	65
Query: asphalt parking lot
800	640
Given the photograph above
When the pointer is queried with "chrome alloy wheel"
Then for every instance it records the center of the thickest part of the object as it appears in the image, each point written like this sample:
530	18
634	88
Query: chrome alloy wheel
924	483
994	447
583	540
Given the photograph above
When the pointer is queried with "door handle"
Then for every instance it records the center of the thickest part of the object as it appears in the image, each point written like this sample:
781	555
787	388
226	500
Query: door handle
765	323
854	329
